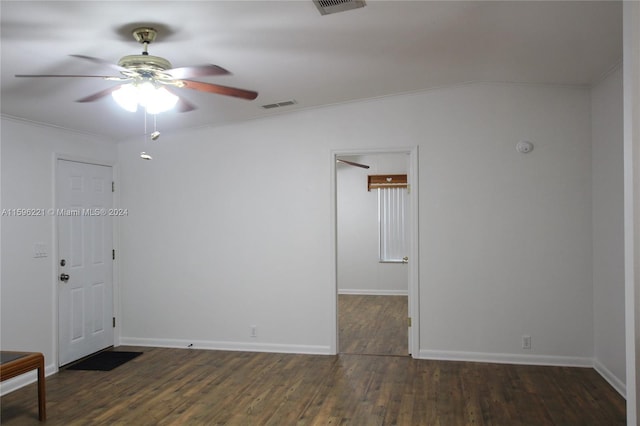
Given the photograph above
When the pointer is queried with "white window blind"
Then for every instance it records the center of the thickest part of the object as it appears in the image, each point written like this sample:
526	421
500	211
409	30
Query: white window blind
392	216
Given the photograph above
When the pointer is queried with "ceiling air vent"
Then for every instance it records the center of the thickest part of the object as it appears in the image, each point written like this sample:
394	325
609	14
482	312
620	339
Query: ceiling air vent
327	7
279	104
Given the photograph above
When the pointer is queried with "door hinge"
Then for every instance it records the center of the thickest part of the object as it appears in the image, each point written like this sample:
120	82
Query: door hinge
409	322
114	322
113	186
113	254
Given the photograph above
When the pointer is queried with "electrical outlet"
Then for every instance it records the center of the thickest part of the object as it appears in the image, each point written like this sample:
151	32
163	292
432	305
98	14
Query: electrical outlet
254	331
526	342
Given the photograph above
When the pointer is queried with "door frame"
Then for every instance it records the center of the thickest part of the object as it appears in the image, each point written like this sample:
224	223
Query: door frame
56	255
414	239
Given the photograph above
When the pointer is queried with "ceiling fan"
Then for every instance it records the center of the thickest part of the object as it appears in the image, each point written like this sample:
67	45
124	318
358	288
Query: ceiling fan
155	74
351	163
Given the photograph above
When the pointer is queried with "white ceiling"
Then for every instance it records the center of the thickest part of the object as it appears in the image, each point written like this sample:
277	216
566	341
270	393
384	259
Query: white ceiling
287	50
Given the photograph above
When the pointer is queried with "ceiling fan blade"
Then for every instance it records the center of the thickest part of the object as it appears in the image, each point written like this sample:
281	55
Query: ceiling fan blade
220	90
197	71
351	163
183	105
99	95
100	62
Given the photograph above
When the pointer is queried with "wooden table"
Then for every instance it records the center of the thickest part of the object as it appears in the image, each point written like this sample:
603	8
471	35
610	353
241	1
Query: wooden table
13	364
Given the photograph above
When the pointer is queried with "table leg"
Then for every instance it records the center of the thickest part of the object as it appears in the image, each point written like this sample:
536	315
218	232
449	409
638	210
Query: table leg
42	404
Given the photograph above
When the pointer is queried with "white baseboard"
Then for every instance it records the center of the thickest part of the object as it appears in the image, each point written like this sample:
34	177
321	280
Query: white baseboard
226	346
613	380
25	379
16	383
559	361
373	292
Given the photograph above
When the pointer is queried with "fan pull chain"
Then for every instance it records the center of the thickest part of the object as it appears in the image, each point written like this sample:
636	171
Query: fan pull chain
143	154
155	134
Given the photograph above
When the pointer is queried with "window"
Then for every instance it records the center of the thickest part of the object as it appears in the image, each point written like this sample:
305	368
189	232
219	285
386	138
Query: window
392	216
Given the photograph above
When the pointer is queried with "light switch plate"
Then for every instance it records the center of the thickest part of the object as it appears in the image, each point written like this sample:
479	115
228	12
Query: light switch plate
39	250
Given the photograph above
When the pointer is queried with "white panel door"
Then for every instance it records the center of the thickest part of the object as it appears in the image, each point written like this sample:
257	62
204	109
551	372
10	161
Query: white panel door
85	266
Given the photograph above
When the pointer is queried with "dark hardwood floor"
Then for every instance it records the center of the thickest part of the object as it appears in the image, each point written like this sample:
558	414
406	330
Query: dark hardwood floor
372	382
201	387
373	325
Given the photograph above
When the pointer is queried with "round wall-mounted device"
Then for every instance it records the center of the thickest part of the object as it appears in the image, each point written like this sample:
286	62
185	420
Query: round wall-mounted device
524	147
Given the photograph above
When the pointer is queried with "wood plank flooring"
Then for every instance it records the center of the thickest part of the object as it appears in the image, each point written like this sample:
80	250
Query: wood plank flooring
373	325
201	387
193	387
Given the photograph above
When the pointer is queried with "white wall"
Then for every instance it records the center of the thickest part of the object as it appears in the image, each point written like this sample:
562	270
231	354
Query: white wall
230	226
227	229
506	237
608	230
359	268
28	319
631	72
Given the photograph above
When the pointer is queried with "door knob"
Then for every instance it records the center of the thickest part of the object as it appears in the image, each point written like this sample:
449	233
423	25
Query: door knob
405	259
64	277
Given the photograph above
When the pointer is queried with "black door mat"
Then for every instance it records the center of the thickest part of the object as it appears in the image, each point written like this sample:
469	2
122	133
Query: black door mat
104	361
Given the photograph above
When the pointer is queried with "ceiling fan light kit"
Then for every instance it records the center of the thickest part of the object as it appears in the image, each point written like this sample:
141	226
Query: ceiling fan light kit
146	71
146	94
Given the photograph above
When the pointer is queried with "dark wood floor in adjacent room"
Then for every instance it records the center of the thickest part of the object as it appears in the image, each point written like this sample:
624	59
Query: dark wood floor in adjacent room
201	387
373	325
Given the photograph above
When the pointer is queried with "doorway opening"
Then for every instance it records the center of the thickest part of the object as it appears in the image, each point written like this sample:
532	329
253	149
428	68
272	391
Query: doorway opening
376	297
